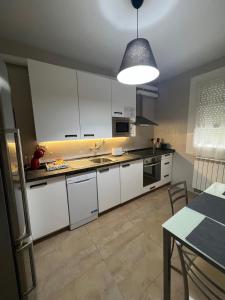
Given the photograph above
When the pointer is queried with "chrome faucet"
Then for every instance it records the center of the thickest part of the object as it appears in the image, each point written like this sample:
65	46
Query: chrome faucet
97	146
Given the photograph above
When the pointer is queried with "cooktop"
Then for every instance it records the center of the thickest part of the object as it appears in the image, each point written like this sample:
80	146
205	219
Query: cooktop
149	152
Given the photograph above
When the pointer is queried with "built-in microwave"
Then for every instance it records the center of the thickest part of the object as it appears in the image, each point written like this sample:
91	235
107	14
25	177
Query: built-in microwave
121	127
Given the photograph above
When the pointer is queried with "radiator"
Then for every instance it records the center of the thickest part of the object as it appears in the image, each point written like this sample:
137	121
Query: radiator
206	172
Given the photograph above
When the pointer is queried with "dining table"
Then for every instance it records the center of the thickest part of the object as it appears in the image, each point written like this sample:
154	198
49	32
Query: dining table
199	226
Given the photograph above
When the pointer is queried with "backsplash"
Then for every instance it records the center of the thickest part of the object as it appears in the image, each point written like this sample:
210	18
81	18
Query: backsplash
82	148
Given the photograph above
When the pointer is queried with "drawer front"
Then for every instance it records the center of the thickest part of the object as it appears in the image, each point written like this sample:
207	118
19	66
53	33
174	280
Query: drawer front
165	179
167	157
166	163
166	174
151	187
166	169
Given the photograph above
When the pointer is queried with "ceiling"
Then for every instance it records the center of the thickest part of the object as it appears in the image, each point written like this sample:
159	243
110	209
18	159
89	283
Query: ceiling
183	34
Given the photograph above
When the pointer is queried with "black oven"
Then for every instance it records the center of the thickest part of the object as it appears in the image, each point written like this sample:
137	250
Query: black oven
120	127
151	170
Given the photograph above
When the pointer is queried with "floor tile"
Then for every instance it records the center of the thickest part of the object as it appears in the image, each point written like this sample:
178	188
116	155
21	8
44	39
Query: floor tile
116	257
140	249
94	285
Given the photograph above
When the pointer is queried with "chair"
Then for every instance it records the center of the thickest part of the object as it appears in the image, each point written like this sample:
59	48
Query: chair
177	191
209	281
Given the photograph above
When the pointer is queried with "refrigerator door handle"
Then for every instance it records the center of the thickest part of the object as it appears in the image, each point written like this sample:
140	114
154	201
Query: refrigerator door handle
27	231
28	245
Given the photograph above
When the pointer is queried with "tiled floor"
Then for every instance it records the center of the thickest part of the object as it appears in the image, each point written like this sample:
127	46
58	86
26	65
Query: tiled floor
118	256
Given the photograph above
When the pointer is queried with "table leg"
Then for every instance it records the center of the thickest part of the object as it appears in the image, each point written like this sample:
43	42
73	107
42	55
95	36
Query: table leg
166	265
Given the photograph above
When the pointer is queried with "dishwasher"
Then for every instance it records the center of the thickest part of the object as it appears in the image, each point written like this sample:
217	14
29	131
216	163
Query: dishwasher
82	198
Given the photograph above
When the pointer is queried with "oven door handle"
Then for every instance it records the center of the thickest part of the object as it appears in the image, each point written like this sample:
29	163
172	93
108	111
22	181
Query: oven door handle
152	165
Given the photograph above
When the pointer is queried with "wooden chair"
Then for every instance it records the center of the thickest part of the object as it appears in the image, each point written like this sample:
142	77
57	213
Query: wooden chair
209	281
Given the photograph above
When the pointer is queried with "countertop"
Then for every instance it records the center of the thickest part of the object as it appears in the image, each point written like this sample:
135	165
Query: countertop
84	164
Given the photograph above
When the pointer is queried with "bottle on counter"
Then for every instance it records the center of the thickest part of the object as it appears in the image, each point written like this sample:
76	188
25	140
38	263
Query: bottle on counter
158	143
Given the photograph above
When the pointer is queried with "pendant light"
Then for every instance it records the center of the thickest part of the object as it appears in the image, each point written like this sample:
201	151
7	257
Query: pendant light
138	64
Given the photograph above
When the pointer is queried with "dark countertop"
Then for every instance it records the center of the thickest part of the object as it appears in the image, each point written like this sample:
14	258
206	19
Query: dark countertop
148	152
84	164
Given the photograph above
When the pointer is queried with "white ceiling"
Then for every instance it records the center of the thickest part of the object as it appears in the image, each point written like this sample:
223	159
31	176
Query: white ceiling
183	33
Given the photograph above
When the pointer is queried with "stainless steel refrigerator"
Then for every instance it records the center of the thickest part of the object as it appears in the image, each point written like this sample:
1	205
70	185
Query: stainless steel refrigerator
17	269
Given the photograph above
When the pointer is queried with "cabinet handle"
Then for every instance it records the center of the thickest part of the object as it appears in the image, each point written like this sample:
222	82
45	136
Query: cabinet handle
104	170
81	181
118	112
167	154
89	134
38	185
166	175
70	135
125	166
153	187
152	165
167	163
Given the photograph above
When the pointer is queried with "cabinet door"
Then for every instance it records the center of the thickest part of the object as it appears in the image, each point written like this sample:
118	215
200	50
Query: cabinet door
48	208
123	100
131	175
55	101
108	187
95	106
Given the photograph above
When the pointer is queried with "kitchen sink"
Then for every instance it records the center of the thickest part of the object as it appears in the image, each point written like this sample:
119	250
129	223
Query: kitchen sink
100	160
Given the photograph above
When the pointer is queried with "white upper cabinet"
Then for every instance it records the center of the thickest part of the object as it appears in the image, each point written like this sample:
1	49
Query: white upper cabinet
55	101
123	100
95	106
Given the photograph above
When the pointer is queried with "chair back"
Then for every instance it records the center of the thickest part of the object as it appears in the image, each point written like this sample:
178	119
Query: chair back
209	280
178	193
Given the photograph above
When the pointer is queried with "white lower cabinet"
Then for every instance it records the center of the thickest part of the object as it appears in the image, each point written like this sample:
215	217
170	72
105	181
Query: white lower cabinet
166	168
48	207
108	180
47	199
131	177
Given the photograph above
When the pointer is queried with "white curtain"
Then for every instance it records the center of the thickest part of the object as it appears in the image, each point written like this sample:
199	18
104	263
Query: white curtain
209	132
208	115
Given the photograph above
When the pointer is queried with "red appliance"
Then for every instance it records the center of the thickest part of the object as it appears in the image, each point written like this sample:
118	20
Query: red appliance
38	153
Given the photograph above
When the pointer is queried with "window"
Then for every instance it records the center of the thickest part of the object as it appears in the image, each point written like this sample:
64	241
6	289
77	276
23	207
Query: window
206	121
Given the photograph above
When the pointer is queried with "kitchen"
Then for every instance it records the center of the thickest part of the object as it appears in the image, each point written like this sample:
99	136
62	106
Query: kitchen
90	158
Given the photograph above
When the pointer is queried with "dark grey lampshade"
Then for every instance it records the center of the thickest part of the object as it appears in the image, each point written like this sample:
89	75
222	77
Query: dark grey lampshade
139	60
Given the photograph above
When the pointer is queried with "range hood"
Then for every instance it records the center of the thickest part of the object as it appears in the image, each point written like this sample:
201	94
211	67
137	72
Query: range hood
142	121
151	92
